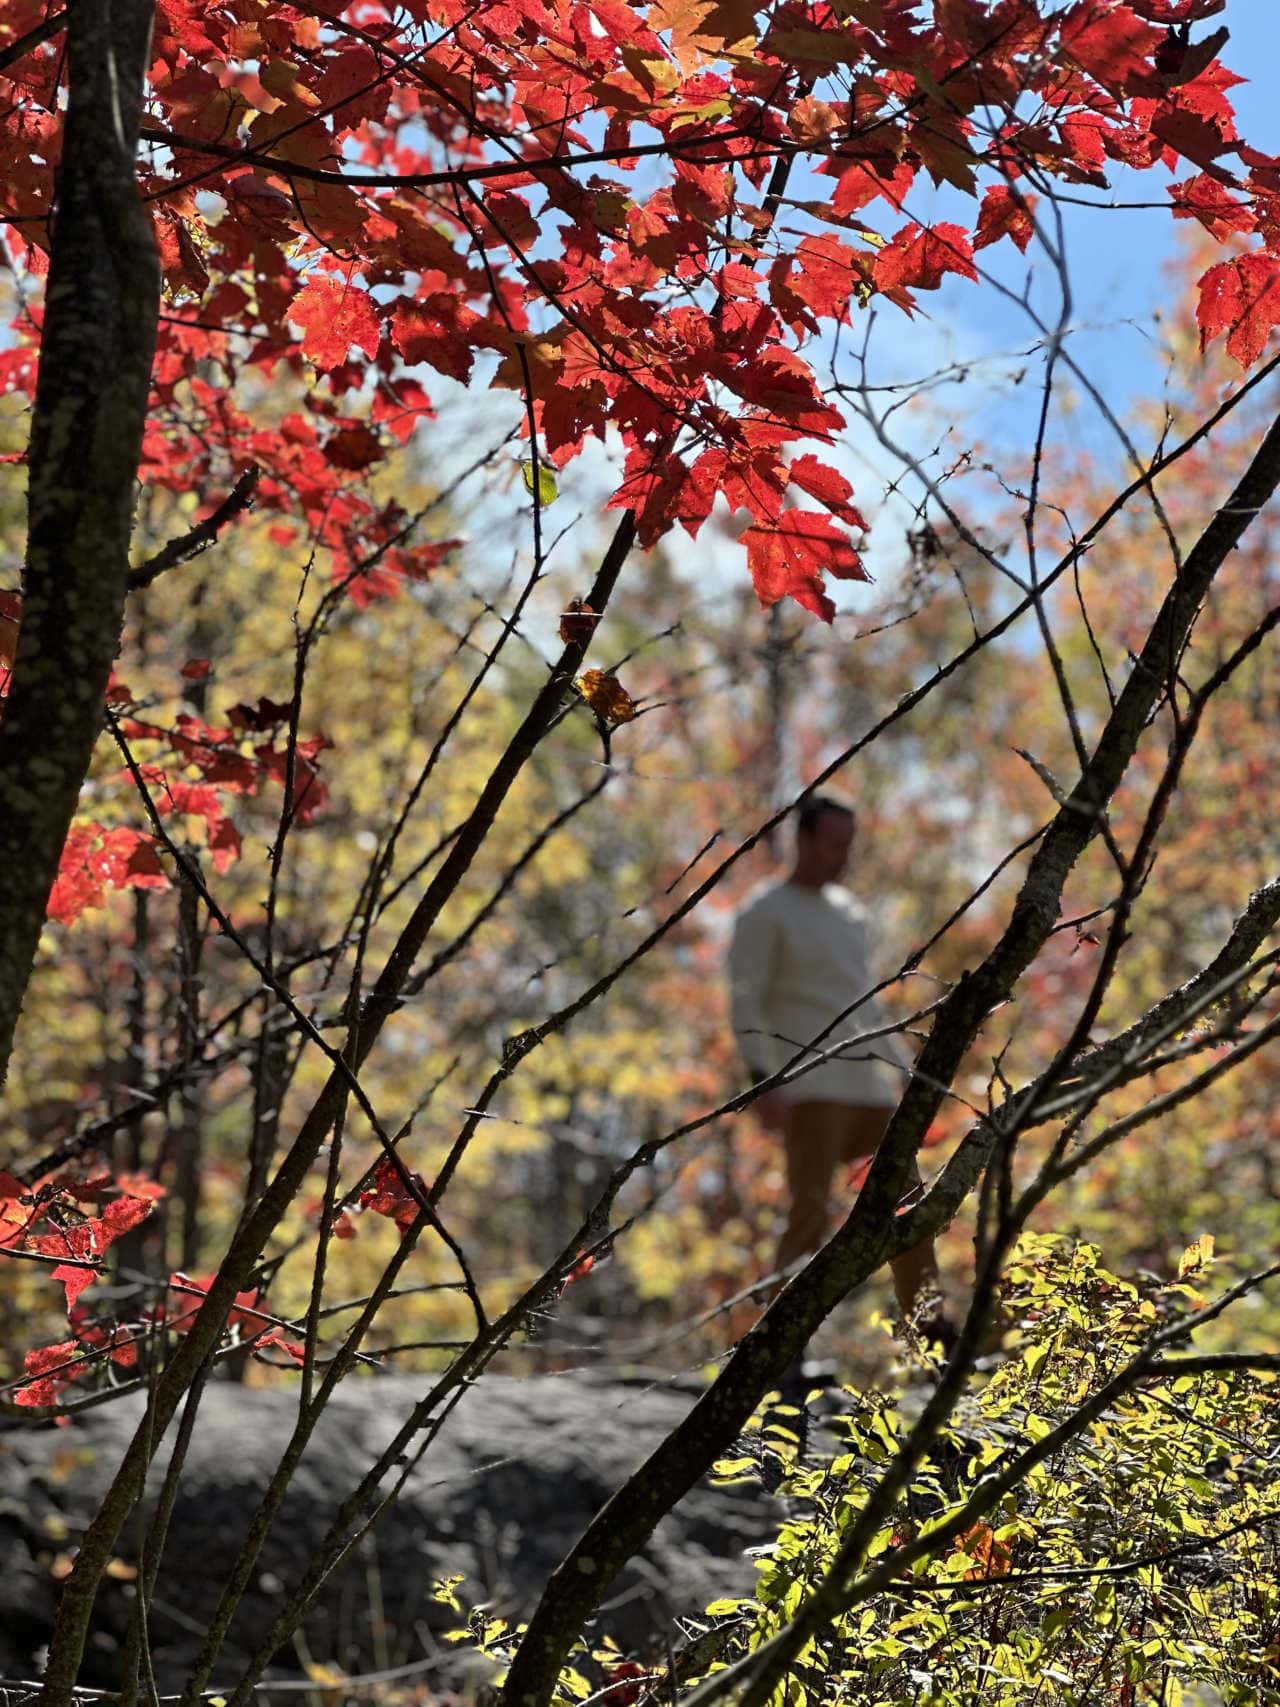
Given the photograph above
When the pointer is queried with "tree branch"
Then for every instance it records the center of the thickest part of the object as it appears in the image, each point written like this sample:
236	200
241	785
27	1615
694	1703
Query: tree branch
1103	1065
101	308
696	148
201	536
33	39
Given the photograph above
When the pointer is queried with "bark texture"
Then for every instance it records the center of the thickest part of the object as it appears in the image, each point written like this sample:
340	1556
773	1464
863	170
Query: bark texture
101	309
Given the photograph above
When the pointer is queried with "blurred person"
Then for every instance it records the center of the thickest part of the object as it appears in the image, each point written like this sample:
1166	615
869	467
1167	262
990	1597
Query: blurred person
798	958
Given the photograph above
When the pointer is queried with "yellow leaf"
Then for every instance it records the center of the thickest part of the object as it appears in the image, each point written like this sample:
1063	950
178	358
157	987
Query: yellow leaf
328	1677
1196	1256
606	696
283	79
653	74
705	30
544	487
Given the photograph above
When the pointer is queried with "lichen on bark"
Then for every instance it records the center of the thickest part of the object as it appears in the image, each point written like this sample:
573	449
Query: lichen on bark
101	308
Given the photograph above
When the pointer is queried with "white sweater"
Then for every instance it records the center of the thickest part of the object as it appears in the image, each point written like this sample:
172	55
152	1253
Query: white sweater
798	958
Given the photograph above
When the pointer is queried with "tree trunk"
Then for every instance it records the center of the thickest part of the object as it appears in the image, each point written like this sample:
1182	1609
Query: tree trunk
101	310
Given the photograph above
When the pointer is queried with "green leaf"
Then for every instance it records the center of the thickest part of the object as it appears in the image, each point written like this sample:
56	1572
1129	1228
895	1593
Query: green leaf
547	491
1034	1356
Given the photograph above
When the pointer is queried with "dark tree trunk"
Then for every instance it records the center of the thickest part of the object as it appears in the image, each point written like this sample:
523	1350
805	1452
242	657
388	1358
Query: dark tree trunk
101	308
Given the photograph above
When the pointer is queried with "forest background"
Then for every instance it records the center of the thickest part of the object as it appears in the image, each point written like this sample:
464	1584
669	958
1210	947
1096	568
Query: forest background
340	608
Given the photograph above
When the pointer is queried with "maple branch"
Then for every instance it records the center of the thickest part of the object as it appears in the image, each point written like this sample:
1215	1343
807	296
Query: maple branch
678	148
34	38
1102	1068
101	303
1088	1078
200	537
343	1072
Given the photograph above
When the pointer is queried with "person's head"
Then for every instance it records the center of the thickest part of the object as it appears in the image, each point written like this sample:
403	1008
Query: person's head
824	838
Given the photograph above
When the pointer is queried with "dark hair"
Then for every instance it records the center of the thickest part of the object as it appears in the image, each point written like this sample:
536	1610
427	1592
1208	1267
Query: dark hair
813	806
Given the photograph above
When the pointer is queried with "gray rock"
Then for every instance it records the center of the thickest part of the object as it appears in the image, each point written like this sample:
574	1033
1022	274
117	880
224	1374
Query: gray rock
517	1472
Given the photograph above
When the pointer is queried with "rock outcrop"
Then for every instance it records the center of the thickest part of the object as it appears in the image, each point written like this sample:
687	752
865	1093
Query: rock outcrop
517	1472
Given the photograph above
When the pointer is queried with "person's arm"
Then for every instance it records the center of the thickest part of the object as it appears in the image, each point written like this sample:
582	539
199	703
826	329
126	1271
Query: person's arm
752	965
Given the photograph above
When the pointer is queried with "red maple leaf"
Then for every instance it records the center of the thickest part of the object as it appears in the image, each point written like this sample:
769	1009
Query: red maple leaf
864	181
1209	201
278	1338
1242	299
51	1368
919	257
748	477
789	558
1177	11
1004	214
1194	136
1113	45
15	1216
43	1358
87	1241
354	447
333	316
95	860
827	273
827	486
391	1193
436	331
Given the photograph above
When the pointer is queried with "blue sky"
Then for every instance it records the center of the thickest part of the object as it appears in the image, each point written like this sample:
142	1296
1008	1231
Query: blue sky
1118	264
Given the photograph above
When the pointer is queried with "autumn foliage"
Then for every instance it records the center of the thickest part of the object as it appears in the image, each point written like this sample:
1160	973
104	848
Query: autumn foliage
654	230
305	218
471	192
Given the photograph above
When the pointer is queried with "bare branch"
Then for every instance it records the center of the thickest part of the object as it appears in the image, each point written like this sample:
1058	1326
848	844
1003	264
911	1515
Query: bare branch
201	536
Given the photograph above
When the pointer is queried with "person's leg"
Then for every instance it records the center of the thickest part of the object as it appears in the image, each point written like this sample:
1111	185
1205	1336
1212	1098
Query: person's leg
864	1127
813	1139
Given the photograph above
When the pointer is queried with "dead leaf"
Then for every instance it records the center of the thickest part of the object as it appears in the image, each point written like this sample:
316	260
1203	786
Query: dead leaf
607	697
577	621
